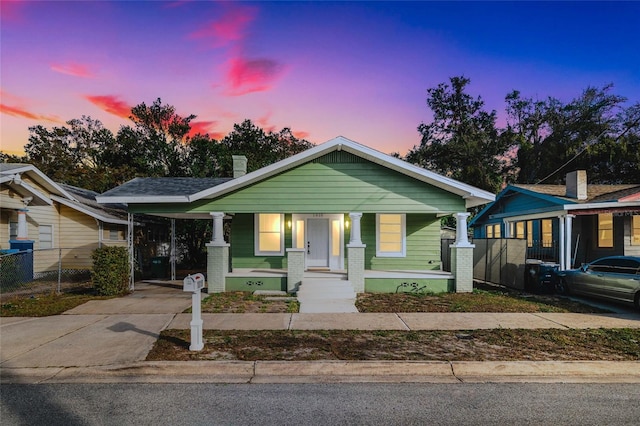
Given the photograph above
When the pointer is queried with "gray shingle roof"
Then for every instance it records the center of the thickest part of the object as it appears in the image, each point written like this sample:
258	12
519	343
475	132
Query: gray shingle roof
164	186
87	201
7	167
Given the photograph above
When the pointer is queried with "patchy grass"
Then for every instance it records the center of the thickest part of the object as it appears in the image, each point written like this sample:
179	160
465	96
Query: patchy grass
480	300
44	305
473	345
240	302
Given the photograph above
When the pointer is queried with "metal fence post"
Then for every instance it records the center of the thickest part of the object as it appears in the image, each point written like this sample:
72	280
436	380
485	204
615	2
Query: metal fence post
59	270
131	252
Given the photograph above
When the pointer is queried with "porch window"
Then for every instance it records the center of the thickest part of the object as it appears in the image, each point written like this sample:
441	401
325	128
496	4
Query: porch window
529	233
114	234
605	230
547	232
299	232
45	236
336	230
517	230
493	231
391	235
269	234
635	230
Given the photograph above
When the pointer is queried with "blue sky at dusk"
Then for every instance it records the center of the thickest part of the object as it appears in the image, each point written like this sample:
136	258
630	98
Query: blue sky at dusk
356	69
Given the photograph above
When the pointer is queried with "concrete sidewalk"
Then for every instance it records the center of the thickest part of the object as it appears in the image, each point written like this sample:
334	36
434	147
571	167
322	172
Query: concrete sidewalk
103	341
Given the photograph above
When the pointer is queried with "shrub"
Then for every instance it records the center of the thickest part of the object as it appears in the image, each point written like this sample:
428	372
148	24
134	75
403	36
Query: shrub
110	274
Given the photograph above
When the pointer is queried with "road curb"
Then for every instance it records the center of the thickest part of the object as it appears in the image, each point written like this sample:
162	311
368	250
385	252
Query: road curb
335	372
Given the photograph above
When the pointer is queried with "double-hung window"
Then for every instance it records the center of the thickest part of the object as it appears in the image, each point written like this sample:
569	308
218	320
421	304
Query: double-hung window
390	235
635	230
269	234
493	231
45	236
605	230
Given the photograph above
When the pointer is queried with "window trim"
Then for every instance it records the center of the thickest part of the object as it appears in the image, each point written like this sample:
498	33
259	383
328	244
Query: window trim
403	232
256	236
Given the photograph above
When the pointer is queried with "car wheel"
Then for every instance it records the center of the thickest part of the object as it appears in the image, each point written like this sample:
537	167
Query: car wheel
562	287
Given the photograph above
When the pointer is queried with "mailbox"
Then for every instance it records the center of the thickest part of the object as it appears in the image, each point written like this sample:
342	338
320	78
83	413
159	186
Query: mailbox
193	282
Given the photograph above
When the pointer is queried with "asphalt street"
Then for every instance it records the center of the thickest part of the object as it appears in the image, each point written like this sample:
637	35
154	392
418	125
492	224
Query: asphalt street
321	404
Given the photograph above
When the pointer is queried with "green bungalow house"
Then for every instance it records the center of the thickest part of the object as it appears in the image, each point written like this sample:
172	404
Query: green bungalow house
339	210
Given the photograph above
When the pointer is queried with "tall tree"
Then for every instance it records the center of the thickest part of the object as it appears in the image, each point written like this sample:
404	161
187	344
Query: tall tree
155	145
72	154
261	148
462	140
554	137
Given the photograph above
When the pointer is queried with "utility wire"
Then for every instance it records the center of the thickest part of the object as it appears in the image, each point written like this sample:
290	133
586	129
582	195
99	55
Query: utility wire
629	127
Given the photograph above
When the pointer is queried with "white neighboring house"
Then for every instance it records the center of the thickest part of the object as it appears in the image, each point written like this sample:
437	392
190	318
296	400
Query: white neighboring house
49	216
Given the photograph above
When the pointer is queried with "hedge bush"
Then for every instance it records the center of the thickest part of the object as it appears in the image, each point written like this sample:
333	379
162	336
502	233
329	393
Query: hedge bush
110	275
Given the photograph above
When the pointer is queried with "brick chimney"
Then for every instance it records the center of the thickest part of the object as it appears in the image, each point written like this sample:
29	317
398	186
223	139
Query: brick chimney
577	184
239	165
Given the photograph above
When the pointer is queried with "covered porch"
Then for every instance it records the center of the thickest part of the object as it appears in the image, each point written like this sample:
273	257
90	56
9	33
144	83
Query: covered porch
247	279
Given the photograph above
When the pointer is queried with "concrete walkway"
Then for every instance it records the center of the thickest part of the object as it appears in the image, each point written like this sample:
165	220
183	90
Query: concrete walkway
108	340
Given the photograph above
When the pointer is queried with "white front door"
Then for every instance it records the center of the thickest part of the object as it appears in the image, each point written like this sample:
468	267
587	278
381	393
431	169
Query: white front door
317	243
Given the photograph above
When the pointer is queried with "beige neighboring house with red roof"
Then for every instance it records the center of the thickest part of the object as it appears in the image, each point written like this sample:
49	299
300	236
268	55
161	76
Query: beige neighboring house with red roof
38	213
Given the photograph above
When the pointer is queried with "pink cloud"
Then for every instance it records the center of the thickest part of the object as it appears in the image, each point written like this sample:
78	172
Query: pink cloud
203	127
231	26
73	69
23	113
251	75
111	104
301	134
264	122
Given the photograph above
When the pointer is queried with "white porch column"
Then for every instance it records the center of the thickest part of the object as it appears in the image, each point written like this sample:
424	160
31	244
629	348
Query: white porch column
462	256
507	228
462	240
218	232
568	228
217	256
355	254
356	237
23	232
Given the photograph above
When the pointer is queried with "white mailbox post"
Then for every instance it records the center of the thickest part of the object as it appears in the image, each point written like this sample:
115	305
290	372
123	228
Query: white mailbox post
195	283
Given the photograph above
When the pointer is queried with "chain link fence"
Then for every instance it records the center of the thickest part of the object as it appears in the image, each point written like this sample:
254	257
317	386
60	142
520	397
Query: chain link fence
41	271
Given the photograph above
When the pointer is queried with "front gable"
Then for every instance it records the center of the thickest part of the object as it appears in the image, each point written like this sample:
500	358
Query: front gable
337	176
335	183
513	201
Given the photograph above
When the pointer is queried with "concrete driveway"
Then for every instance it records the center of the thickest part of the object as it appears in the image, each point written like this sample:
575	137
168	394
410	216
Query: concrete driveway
99	332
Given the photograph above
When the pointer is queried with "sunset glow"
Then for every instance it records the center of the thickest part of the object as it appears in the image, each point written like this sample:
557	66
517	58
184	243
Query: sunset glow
323	69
